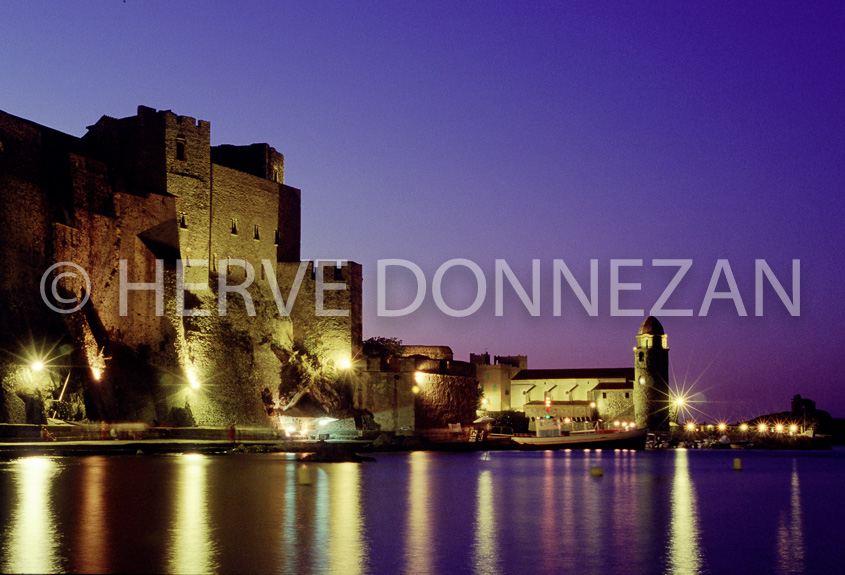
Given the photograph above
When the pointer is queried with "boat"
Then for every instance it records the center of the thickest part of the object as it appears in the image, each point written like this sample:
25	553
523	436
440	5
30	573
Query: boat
602	439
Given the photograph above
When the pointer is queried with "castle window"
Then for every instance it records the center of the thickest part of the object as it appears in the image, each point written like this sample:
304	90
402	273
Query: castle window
214	263
604	395
234	226
276	175
626	395
642	355
183	221
276	238
255	234
180	148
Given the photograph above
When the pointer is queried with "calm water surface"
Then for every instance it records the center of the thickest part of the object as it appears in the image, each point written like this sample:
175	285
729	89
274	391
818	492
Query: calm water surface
681	512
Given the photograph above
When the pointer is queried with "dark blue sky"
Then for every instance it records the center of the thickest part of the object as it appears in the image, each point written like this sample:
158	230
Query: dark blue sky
516	131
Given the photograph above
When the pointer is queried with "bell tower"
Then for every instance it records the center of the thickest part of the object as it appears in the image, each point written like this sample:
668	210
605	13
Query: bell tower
651	377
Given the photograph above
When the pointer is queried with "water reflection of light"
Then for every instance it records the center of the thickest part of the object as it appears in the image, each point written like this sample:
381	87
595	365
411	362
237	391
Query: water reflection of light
485	549
190	543
568	497
93	528
347	549
291	531
33	538
418	548
684	550
790	533
549	516
321	518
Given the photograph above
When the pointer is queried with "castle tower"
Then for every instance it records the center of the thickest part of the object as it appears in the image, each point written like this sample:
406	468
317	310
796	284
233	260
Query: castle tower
651	376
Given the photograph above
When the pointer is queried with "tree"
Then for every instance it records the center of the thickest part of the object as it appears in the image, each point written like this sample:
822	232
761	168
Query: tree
383	347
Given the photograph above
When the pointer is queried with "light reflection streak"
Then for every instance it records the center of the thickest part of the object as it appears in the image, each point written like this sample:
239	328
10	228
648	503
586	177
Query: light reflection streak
190	545
485	558
290	539
590	525
418	547
549	517
321	517
33	538
569	518
93	527
790	533
348	555
684	551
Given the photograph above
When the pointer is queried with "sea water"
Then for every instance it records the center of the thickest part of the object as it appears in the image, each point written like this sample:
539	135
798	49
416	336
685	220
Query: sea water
673	511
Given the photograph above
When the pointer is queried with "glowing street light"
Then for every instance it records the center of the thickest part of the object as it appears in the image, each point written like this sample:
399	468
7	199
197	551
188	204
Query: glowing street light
743	427
345	364
722	426
37	366
762	428
679	401
793	428
690	427
779	428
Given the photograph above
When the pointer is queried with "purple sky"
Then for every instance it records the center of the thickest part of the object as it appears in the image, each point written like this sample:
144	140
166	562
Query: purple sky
514	131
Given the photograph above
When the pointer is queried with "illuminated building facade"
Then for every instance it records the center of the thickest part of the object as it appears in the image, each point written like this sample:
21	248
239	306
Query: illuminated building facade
637	394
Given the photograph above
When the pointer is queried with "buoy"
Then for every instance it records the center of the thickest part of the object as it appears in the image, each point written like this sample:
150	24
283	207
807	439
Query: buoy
596	471
737	464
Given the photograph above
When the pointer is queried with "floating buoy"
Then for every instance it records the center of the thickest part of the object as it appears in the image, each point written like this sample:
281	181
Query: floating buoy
597	472
737	464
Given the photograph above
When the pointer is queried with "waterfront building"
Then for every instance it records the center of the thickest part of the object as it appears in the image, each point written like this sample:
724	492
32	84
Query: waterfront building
637	394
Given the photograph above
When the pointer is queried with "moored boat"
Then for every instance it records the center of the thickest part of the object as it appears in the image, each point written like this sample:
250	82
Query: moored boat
603	439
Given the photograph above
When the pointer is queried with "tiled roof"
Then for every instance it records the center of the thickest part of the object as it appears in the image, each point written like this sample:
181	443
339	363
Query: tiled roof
589	373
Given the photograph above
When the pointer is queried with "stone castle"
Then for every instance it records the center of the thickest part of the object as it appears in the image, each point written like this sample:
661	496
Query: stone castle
167	227
199	311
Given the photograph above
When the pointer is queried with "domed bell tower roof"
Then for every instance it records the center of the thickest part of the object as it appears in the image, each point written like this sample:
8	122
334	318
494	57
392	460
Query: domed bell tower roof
651	327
